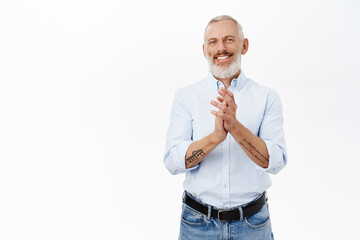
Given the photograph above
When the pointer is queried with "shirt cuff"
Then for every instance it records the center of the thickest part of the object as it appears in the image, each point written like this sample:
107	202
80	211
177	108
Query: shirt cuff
276	160
180	153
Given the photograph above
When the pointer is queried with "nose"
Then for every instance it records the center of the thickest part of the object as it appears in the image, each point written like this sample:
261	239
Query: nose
221	47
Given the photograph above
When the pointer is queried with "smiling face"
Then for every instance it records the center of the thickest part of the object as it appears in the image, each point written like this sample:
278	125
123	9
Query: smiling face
223	48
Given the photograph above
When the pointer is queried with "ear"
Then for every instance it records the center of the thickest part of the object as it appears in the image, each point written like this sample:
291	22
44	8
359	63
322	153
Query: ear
245	46
204	50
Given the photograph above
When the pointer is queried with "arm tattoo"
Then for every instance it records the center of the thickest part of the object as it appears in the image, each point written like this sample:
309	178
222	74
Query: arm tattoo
195	156
257	155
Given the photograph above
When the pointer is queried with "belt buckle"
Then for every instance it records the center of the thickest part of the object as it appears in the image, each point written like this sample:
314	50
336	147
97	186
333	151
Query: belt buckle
220	211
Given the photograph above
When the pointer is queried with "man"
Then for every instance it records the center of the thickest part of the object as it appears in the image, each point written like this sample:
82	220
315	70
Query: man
226	147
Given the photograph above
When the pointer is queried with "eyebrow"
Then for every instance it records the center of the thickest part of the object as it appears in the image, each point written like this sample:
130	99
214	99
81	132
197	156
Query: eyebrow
214	38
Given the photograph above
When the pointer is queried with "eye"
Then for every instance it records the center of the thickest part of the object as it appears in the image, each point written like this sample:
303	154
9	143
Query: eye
230	40
212	42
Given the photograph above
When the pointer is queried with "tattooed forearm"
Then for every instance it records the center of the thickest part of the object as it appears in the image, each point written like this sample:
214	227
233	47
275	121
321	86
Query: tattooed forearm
256	150
195	156
257	154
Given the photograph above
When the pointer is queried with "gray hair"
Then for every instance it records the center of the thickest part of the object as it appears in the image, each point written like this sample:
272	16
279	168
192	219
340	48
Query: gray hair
223	18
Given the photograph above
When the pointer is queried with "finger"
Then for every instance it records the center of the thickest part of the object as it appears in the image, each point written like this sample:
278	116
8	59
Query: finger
227	97
220	99
219	114
228	92
225	103
225	93
218	105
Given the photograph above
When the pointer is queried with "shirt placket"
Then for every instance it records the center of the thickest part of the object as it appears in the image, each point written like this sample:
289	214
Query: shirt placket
226	173
226	170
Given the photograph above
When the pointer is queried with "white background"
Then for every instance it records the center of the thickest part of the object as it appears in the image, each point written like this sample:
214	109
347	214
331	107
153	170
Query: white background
85	94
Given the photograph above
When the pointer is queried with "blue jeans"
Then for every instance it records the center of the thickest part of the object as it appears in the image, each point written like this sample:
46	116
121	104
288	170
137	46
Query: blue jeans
197	226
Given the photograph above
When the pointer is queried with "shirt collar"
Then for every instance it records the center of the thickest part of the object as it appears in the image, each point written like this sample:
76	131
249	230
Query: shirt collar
236	83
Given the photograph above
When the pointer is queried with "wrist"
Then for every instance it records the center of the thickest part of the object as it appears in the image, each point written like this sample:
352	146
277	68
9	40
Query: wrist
235	126
214	138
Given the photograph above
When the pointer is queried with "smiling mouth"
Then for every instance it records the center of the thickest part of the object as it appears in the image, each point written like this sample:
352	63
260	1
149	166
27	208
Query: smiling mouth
223	57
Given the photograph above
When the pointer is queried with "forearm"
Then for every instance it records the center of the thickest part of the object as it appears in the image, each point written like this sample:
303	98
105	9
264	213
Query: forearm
254	147
198	150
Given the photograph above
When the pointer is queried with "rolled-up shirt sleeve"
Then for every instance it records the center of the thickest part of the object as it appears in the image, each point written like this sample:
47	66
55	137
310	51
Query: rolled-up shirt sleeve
179	135
272	132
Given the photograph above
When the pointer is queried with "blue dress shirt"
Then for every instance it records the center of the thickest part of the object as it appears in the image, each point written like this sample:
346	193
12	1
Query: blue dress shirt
227	177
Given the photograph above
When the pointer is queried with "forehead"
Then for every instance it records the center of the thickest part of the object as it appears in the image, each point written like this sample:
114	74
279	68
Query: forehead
222	29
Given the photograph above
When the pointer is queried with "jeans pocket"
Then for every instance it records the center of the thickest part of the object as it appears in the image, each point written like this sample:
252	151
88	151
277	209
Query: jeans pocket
259	219
191	216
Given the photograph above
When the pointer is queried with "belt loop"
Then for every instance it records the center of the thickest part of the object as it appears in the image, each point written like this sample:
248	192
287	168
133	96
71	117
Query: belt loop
209	213
183	196
241	213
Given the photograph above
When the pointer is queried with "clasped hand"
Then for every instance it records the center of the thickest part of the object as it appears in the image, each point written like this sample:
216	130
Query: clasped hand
227	110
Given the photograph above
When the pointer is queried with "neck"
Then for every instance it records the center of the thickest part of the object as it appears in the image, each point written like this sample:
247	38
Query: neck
227	81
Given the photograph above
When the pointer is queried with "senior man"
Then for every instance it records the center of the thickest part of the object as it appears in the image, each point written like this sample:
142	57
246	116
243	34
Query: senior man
226	134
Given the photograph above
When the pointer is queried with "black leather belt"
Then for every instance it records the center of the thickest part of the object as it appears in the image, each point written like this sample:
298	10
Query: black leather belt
225	215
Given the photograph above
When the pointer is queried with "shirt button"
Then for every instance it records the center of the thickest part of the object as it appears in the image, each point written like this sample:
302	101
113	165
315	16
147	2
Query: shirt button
225	186
225	162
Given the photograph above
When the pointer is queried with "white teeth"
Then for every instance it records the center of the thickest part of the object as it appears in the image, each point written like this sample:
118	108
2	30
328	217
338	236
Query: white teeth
224	57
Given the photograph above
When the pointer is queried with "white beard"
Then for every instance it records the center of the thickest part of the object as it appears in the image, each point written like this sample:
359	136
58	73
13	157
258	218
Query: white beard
228	72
